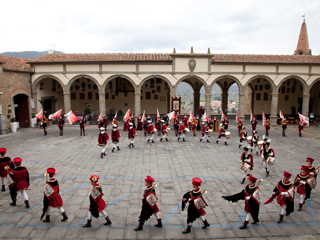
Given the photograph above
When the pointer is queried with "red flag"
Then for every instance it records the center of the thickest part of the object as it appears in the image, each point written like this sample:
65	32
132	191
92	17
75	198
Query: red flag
55	115
304	119
158	115
251	116
172	115
191	118
115	116
126	116
281	115
237	117
264	119
39	115
143	116
223	117
100	116
205	117
72	118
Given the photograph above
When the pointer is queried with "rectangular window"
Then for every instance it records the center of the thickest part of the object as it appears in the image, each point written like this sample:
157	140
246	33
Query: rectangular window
265	96
97	96
73	96
82	96
258	96
89	95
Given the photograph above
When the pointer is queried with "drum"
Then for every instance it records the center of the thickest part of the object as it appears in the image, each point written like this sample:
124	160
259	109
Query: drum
249	139
260	144
168	129
271	160
187	130
228	135
245	167
210	132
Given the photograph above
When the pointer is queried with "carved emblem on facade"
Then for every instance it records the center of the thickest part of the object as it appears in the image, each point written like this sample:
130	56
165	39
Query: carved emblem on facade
192	64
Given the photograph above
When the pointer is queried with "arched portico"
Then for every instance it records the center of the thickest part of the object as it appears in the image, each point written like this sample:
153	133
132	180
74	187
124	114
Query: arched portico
314	103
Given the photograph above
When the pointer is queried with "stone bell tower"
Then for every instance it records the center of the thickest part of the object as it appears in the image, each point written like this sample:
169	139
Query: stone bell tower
303	43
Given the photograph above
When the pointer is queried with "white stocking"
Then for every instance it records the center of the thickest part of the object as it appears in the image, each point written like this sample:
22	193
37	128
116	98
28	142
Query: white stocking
2	181
248	218
61	209
283	210
89	216
132	141
48	211
158	215
302	197
104	213
24	195
202	218
103	149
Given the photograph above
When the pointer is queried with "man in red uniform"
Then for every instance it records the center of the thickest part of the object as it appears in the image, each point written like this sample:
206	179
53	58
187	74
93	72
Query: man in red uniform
268	156
149	204
52	196
150	131
267	126
97	204
182	132
240	125
246	161
103	139
131	134
115	137
284	192
254	123
225	122
82	124
300	128
311	169
60	125
4	162
164	130
303	187
105	122
205	133
252	201
196	205
18	181
222	133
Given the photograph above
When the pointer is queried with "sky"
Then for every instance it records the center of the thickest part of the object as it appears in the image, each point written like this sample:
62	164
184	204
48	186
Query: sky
229	26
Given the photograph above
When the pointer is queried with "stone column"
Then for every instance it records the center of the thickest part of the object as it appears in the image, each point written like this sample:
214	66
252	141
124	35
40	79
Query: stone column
34	98
102	102
66	102
196	101
305	105
274	108
242	103
172	95
207	106
137	103
224	101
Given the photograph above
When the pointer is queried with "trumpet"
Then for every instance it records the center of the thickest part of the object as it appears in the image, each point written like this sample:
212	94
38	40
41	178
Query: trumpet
47	176
260	180
6	167
204	191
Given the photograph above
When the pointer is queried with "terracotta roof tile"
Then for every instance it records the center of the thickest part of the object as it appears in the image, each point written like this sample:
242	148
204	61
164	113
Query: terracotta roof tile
15	64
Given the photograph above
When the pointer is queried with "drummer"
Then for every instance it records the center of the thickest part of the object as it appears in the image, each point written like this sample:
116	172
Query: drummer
267	157
254	144
222	134
246	161
243	137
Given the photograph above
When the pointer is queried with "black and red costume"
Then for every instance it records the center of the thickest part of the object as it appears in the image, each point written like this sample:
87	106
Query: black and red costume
254	123
139	128
4	162
103	139
225	122
60	125
115	136
82	124
240	125
267	127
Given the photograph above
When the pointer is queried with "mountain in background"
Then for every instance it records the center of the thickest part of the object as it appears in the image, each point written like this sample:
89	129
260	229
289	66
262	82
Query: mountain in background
27	54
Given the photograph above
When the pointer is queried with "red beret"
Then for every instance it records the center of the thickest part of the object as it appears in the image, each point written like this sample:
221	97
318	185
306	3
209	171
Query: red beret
252	178
309	159
51	171
3	151
306	168
94	178
287	174
196	182
149	179
17	161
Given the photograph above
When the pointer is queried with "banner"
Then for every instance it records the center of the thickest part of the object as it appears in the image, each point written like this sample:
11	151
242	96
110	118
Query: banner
281	115
126	116
55	115
223	117
237	117
115	116
39	115
191	118
304	119
100	116
205	117
251	116
72	118
172	115
264	119
158	115
143	116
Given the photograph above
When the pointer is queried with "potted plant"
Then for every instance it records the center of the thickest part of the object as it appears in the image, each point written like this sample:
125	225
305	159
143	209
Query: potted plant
38	122
87	111
48	112
13	125
297	122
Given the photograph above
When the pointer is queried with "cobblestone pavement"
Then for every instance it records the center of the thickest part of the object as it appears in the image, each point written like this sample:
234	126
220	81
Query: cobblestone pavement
173	164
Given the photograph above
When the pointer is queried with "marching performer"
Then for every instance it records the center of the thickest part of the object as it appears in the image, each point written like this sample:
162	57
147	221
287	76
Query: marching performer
158	127
254	144
145	127
45	124
149	204
268	157
267	126
4	162
105	122
246	161
210	123
284	124
196	205
150	131
194	125
303	187
243	138
182	131
222	133
205	133
185	120
240	125
176	125
97	204
252	200
311	169
52	196
131	134
18	181
60	125
300	128
284	192
225	122
164	130
254	123
115	137
100	123
82	124
139	123
103	138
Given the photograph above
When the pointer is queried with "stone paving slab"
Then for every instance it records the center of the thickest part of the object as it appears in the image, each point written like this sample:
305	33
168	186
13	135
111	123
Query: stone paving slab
173	164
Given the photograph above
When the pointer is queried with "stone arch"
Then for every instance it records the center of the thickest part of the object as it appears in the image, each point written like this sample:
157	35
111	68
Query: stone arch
193	76
20	91
82	76
35	82
274	88
217	81
313	83
156	76
301	80
103	87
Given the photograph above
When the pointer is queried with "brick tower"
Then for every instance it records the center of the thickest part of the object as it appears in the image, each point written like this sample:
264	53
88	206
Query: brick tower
303	43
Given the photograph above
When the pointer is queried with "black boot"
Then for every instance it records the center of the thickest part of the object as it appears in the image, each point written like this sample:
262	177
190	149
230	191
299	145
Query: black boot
3	188
267	173
132	145
188	229
208	140
239	146
65	217
13	203
243	179
145	134
205	224
161	139
84	133
178	139
129	145
112	150
217	142
88	224
45	133
47	219
104	154
194	135
184	140
300	207
280	219
80	134
62	133
148	141
152	141
27	204
118	148
244	226
101	155
300	135
139	228
255	221
159	225
167	140
108	222
201	139
225	143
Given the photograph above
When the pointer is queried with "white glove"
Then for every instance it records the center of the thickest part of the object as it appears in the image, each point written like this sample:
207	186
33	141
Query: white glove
284	194
248	198
303	182
312	173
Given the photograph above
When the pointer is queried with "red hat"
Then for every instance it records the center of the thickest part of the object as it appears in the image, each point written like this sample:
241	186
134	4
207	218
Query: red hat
196	182
149	179
94	178
252	178
3	151
17	161
309	159
306	168
287	174
51	171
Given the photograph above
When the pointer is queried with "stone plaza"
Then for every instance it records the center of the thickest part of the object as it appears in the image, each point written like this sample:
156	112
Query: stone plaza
173	164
